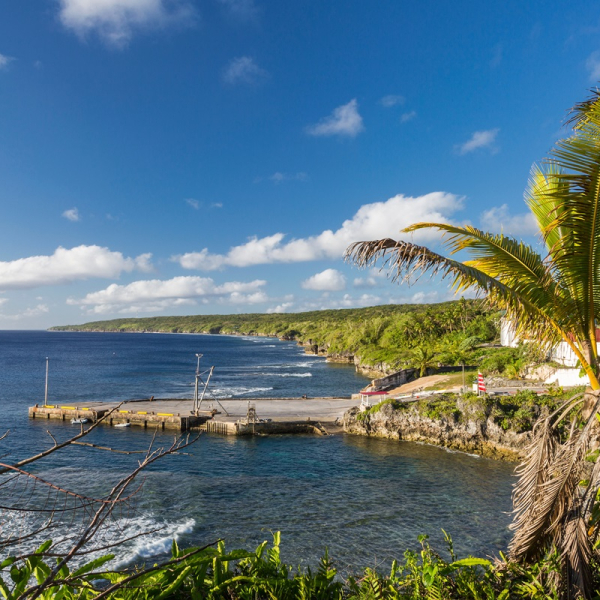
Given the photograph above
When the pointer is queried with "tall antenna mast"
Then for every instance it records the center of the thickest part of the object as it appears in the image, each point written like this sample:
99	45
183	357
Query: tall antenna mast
46	392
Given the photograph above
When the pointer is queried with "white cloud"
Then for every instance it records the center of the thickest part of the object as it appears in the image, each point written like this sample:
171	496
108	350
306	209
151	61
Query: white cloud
329	280
245	10
65	266
280	308
72	214
408	116
115	21
365	282
154	295
279	177
371	221
347	301
216	205
36	311
193	203
592	64
5	61
344	120
498	219
244	70
480	139
424	297
391	100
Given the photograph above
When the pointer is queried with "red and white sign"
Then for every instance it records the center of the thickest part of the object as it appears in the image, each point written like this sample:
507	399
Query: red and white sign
480	383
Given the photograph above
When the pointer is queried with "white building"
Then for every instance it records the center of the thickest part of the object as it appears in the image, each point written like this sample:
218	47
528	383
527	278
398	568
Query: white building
561	354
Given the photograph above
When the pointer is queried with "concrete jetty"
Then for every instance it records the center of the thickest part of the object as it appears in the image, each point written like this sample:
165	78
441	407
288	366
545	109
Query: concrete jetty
231	416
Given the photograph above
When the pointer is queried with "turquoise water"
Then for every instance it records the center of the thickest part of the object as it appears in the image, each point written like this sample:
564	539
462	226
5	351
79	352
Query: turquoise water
366	499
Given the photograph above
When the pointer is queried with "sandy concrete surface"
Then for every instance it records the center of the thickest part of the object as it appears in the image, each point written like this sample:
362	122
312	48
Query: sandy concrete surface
277	409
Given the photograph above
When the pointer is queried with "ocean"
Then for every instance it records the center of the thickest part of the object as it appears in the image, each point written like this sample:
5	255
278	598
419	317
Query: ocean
367	500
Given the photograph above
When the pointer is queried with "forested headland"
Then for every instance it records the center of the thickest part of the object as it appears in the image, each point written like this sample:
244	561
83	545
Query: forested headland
378	339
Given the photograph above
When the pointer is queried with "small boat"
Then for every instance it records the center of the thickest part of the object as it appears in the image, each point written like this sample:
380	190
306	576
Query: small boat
122	424
79	421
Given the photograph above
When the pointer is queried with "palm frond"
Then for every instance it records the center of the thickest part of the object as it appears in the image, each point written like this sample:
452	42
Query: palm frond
406	261
533	473
586	112
576	553
573	183
506	259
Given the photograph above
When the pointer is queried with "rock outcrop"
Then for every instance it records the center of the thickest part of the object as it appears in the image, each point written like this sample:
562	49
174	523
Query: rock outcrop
468	428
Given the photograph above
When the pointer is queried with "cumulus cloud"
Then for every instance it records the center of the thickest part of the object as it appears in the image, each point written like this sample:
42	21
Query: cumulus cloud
346	301
5	61
391	100
35	311
499	220
344	120
67	265
72	214
280	308
479	139
424	297
408	116
153	295
371	221
365	282
592	64
115	21
244	70
329	280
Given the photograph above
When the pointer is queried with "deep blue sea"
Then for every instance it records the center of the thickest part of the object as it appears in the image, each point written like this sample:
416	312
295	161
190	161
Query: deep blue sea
367	500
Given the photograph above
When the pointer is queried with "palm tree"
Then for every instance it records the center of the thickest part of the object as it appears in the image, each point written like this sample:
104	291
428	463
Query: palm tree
549	298
422	358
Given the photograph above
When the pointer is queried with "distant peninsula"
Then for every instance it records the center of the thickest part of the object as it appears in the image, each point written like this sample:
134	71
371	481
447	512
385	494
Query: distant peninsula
376	339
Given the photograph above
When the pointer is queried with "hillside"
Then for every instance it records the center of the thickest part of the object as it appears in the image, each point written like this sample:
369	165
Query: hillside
377	339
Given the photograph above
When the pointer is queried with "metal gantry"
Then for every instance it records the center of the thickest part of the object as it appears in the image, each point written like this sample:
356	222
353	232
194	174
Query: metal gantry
198	400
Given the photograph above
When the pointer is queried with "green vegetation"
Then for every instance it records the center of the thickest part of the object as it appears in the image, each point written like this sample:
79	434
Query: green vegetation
550	299
517	413
406	335
214	573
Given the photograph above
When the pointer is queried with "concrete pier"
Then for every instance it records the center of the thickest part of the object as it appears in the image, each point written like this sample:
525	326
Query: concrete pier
227	416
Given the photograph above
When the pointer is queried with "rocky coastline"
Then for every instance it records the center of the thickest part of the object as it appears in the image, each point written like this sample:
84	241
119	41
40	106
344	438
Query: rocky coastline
468	427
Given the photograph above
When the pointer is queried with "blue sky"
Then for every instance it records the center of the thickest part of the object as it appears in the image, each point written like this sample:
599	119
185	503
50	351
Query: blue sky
166	157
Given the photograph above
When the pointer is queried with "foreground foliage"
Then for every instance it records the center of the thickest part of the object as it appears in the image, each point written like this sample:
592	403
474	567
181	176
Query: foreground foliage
214	573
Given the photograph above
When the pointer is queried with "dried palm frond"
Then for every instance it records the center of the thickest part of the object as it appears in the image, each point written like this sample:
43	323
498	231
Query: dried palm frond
533	472
576	553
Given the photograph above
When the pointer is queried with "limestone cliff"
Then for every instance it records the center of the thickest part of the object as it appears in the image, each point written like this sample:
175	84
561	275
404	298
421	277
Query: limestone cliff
465	425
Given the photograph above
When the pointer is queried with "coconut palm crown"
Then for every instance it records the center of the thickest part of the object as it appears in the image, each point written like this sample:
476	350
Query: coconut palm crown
549	299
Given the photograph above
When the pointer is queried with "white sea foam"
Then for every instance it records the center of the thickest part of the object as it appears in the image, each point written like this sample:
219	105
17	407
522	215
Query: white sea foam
156	544
293	374
226	392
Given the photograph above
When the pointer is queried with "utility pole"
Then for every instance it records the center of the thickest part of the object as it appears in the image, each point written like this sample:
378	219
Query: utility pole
46	392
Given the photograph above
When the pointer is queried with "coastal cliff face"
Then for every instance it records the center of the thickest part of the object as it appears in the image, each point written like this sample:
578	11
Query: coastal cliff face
468	426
